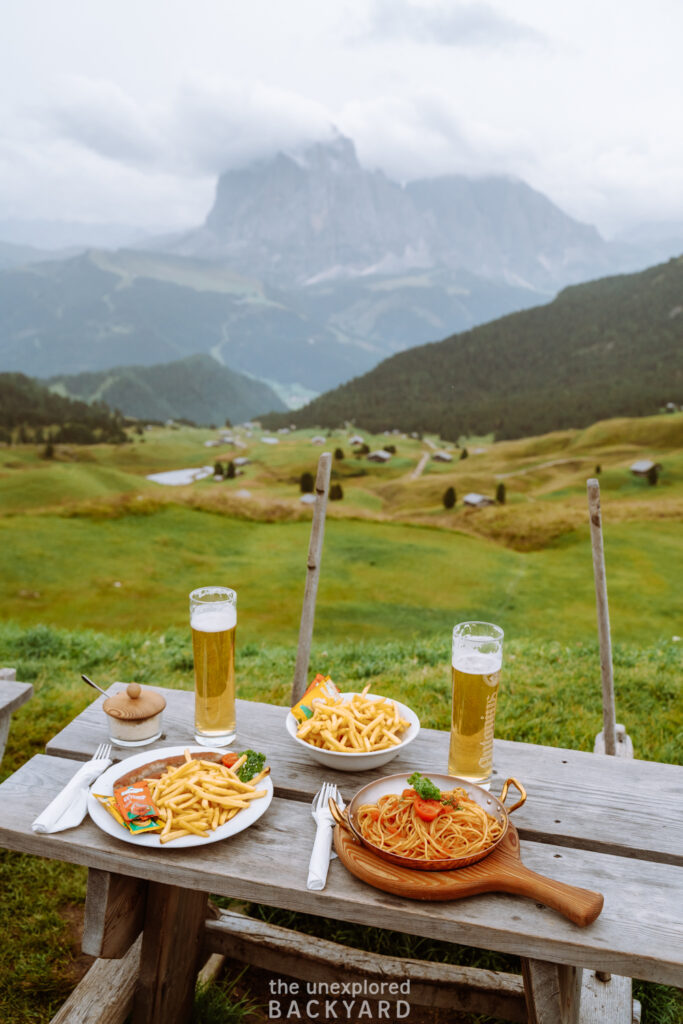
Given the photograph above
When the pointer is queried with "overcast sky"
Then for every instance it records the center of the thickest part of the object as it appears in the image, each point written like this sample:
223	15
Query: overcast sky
127	110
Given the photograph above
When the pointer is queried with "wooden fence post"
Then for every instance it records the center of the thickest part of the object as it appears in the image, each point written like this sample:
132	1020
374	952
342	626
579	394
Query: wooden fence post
613	739
315	548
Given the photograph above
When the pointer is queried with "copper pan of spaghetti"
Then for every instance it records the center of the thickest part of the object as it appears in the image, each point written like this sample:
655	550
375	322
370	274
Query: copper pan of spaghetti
477	834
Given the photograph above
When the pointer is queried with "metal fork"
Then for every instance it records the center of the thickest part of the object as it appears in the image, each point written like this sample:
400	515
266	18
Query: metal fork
319	808
103	752
322	845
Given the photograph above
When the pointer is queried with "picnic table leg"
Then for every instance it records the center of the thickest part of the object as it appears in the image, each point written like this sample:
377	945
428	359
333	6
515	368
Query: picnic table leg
170	957
4	730
114	913
12	696
552	992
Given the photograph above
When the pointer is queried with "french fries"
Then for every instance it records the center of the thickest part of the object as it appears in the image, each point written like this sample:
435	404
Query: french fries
359	725
200	796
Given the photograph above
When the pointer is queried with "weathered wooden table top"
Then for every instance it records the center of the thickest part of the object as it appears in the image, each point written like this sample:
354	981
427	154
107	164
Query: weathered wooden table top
597	822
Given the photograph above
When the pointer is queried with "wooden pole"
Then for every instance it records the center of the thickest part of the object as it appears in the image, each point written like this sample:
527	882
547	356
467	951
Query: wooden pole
608	712
315	548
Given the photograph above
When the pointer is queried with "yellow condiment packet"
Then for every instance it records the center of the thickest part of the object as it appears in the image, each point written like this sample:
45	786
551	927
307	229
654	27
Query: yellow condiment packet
110	803
322	687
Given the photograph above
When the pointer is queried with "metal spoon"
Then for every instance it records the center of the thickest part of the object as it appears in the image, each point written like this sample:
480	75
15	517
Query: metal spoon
90	683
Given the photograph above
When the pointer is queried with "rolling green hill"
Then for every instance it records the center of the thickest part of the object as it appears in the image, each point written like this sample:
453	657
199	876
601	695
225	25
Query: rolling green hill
197	389
612	347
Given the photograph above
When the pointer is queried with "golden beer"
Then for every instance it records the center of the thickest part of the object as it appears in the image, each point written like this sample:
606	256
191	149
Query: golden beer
213	625
475	674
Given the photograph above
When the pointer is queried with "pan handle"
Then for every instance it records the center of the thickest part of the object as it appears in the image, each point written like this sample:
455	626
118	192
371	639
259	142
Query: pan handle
522	793
338	815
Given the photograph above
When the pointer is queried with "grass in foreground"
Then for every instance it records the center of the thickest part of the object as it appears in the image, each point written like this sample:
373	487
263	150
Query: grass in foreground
377	579
551	694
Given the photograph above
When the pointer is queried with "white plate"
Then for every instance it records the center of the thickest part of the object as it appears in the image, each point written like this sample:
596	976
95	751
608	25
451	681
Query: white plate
358	762
104	785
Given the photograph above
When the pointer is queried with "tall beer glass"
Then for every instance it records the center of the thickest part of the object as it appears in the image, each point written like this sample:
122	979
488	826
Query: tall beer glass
213	619
476	664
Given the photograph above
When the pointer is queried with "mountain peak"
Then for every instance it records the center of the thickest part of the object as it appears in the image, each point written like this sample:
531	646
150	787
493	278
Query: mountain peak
334	156
316	213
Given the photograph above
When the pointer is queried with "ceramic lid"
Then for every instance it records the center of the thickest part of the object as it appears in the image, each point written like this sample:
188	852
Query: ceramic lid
134	703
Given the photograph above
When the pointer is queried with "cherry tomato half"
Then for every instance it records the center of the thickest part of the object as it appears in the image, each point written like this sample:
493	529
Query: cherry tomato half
229	759
428	809
409	794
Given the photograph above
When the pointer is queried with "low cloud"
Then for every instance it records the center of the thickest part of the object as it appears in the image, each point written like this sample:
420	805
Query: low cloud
101	117
426	136
208	127
94	153
218	125
447	24
62	181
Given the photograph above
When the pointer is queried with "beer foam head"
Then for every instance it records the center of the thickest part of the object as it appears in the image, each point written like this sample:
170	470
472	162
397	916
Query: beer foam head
477	662
477	648
214	618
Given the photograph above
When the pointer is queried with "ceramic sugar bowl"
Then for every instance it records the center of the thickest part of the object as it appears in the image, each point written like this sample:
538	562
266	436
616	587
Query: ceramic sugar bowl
134	716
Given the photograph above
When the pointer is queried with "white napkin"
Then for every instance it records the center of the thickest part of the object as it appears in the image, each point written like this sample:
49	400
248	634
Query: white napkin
68	807
322	852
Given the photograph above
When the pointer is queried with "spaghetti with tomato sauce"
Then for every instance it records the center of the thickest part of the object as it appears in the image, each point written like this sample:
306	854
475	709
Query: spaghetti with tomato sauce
428	829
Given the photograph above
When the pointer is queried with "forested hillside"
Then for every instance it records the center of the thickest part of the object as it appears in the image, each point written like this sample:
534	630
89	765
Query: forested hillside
30	411
612	347
197	389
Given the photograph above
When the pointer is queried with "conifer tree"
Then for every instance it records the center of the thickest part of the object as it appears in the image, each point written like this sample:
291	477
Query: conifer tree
449	497
306	483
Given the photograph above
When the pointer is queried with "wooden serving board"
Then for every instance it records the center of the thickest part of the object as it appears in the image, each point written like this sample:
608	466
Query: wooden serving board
501	871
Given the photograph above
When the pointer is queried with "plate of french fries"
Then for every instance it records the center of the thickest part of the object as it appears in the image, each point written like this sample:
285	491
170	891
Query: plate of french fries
355	731
190	801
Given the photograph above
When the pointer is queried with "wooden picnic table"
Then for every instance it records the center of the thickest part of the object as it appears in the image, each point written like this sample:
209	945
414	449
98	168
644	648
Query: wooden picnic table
593	821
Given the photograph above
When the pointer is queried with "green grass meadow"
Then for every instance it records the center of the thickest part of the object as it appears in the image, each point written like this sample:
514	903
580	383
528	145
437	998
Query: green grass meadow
382	580
97	564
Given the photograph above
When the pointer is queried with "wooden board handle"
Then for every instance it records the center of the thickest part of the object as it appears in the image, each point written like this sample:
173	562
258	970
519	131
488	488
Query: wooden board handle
581	906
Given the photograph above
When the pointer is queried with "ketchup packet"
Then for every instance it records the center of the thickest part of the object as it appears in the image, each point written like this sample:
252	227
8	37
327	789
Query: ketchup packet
141	825
322	687
135	804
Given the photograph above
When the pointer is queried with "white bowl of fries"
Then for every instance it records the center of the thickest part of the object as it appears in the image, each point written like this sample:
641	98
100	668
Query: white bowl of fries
341	730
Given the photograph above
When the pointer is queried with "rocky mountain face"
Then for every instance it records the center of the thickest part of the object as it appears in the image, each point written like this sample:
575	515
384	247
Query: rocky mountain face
318	216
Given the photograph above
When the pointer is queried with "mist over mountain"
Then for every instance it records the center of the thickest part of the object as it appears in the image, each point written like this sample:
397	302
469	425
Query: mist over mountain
652	241
55	235
19	255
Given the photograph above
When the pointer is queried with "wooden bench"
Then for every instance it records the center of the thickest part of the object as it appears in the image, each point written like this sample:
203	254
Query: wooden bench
12	696
605	999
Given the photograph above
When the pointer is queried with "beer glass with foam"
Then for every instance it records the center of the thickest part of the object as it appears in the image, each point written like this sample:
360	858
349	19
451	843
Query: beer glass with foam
476	663
213	620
